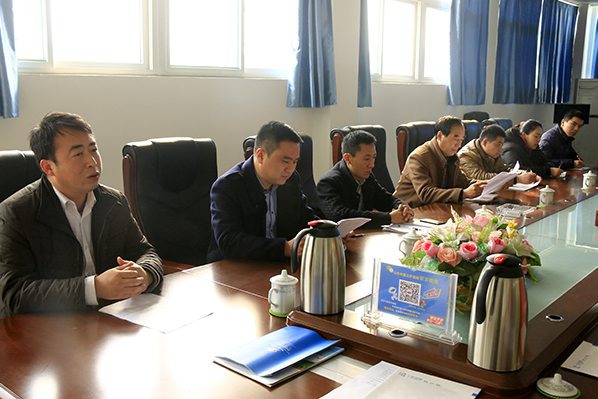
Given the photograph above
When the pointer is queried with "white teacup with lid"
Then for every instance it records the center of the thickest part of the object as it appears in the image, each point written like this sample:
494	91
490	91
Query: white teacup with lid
589	180
408	241
281	295
546	196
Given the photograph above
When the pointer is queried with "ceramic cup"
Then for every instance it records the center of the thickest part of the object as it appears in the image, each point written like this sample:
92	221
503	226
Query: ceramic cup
408	241
282	294
546	196
589	180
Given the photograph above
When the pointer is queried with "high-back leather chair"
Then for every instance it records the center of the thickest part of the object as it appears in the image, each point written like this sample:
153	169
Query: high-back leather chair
410	136
476	116
413	134
18	169
167	182
304	168
380	168
505	123
473	128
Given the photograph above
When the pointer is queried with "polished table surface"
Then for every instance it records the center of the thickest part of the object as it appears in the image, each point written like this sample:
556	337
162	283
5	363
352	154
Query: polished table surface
92	355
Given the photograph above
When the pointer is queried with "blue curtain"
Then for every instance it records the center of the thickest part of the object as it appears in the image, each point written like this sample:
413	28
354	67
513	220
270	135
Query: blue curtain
515	77
594	60
313	84
469	43
364	80
556	51
9	105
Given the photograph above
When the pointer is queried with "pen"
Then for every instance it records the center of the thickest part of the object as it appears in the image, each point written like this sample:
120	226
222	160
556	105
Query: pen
358	235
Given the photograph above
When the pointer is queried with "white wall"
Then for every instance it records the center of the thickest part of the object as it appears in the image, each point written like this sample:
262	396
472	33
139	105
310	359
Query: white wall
129	108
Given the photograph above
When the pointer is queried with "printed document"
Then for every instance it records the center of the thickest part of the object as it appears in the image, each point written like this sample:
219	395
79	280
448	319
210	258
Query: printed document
156	312
385	380
584	359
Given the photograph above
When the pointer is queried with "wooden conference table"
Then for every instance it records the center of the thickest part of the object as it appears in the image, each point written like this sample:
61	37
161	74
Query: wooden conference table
93	355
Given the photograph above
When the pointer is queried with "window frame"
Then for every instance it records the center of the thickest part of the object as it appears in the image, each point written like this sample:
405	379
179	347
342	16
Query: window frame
155	51
419	47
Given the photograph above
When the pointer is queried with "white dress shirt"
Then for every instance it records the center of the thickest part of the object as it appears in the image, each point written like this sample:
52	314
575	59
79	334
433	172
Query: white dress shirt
81	226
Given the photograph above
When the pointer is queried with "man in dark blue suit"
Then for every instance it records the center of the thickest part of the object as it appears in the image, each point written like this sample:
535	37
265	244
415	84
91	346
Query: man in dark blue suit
258	206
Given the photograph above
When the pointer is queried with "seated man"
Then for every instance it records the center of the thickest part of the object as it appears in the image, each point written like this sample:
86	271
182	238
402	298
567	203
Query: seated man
257	206
556	142
480	159
65	240
432	173
350	189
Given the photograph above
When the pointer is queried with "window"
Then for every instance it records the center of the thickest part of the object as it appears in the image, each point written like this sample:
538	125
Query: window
239	37
590	45
409	40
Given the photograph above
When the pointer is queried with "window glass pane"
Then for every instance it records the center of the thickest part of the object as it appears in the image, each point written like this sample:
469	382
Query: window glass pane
375	40
399	38
270	34
204	33
104	31
29	29
436	50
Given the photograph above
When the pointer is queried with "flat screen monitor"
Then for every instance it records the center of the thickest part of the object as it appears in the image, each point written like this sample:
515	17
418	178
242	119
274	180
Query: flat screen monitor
561	109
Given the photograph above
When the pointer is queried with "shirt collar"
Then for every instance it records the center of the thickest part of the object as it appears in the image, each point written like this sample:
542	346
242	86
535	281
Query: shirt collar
65	201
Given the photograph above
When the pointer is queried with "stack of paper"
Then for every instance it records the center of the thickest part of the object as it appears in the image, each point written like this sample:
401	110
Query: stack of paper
496	184
387	381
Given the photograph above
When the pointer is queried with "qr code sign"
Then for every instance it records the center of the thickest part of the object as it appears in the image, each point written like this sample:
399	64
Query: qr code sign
409	292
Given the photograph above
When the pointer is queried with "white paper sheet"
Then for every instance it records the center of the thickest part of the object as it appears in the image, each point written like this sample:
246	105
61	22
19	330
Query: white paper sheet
421	228
156	312
346	225
496	184
584	359
385	380
341	369
524	187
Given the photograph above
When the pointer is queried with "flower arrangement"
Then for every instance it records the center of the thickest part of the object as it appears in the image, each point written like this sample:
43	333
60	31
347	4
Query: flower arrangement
461	247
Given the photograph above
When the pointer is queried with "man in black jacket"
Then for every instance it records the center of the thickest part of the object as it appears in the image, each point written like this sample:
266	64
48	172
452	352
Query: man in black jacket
350	189
67	242
258	206
557	142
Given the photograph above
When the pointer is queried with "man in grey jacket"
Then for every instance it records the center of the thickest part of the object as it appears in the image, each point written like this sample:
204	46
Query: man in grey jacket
67	242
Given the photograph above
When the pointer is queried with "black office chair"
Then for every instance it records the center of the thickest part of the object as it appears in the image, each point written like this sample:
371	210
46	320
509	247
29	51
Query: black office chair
473	128
167	182
18	169
304	169
380	169
476	116
410	136
505	123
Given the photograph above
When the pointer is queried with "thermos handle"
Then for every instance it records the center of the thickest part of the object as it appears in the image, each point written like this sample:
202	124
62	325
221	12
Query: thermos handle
481	292
296	241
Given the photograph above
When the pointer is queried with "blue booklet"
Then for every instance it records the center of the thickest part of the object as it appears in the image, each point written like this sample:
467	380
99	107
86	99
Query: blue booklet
279	355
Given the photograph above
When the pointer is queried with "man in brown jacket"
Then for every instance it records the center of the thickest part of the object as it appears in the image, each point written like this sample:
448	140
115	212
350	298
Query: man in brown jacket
432	172
480	159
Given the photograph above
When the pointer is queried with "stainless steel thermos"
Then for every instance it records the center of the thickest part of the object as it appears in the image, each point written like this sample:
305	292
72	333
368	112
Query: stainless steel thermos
323	268
499	316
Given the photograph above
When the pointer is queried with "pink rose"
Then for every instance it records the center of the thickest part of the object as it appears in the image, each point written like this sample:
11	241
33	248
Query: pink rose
418	246
495	245
481	221
448	255
430	248
468	250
